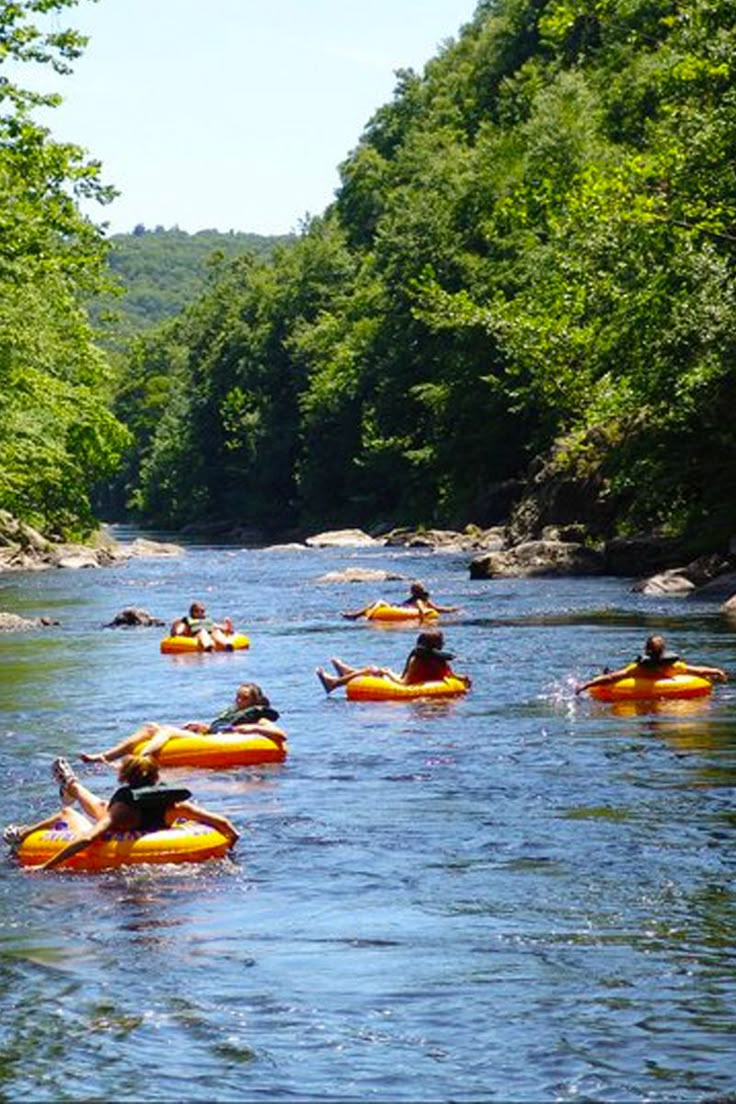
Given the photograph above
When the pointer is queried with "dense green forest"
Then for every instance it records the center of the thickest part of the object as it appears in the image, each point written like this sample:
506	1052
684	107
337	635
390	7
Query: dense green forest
528	267
531	254
160	272
59	436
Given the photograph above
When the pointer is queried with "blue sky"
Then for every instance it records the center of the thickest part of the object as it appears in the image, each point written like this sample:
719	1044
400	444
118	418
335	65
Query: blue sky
234	114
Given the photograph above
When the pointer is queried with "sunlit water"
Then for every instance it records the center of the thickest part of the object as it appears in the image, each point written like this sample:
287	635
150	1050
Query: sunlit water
518	896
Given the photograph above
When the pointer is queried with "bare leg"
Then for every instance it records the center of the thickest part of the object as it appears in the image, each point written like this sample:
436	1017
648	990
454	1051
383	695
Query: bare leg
219	638
91	803
125	747
205	641
76	821
329	682
342	668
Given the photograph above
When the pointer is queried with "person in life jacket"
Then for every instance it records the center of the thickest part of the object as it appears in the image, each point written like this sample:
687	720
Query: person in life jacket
655	657
206	631
426	662
418	598
140	804
250	715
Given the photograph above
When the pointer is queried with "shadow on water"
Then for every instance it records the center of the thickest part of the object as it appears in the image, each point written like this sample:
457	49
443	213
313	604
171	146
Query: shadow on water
613	618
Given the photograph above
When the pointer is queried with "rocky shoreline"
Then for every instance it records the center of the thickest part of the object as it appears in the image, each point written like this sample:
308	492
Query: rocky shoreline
658	564
23	548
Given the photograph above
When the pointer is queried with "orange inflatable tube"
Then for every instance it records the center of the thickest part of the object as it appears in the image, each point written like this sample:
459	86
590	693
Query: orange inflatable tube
184	841
376	688
174	645
645	683
383	611
221	749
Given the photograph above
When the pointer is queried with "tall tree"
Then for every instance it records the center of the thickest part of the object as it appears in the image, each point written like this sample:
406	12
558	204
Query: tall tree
59	436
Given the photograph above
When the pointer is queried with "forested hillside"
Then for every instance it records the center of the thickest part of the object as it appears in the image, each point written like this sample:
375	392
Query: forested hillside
160	272
528	271
531	255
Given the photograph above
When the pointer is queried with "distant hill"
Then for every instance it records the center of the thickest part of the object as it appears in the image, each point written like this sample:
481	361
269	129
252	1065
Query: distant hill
162	271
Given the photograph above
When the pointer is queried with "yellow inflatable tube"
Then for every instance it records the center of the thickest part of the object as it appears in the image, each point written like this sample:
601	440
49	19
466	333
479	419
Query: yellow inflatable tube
173	645
221	749
375	688
184	841
644	683
383	611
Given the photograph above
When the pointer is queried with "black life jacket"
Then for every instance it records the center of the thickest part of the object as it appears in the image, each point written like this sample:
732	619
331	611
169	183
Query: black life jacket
654	662
150	803
252	714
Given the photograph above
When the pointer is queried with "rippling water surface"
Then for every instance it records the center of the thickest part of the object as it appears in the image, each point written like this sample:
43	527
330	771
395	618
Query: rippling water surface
519	896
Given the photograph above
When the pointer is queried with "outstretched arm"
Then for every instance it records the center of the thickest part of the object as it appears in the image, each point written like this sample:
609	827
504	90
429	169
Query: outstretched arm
204	816
713	673
264	727
602	680
429	604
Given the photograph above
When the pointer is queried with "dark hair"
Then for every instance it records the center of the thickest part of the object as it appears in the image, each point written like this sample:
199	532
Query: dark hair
138	770
418	590
432	639
197	605
654	646
254	693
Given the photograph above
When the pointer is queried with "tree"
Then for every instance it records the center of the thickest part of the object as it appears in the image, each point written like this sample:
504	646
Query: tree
59	436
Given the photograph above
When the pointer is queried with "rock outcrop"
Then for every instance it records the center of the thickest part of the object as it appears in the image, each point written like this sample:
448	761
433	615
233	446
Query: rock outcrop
12	622
666	584
343	538
540	557
472	539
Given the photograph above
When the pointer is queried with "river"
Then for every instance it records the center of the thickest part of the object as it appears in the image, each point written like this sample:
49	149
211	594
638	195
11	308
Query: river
516	896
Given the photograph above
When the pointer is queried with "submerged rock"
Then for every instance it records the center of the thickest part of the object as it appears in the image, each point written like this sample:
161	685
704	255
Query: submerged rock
360	575
133	617
143	547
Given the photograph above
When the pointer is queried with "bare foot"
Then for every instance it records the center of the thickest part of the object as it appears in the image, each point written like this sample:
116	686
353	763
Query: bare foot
340	667
328	682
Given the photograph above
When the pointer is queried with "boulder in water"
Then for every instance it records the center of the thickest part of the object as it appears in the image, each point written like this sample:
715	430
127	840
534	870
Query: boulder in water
133	618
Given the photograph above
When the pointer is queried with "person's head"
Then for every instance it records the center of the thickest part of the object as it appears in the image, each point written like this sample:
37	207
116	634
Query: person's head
250	693
418	590
138	770
197	609
654	646
431	639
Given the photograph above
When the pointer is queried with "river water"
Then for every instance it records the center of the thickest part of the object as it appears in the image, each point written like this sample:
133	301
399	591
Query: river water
518	896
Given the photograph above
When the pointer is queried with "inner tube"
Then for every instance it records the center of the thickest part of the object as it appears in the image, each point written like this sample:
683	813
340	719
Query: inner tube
184	841
172	645
383	611
221	749
642	684
375	688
